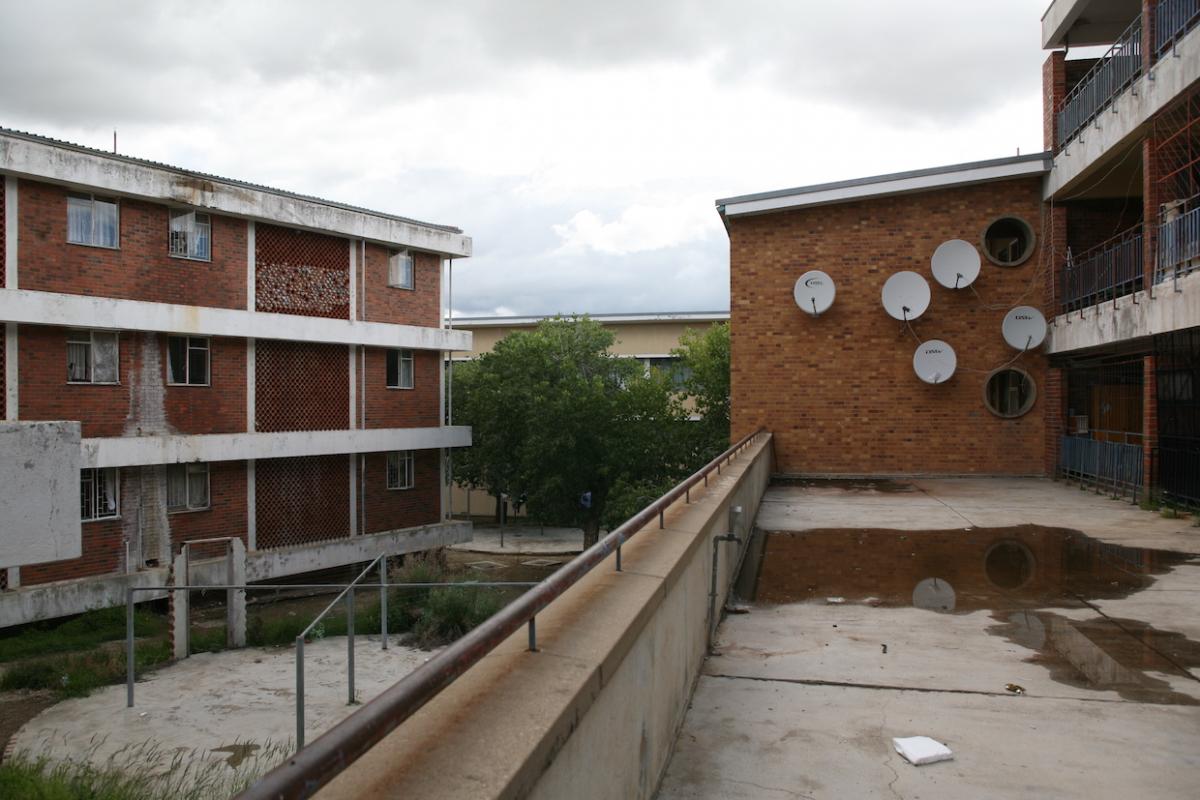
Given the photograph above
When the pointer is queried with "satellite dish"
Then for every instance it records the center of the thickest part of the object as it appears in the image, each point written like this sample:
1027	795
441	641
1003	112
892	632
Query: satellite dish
906	295
1024	328
934	361
934	594
814	292
955	264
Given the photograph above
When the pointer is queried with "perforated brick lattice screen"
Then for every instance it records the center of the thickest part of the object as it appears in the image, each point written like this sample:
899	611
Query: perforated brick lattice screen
301	386
302	500
296	272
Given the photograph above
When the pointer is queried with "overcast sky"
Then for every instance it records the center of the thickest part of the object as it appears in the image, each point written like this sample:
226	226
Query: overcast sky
581	144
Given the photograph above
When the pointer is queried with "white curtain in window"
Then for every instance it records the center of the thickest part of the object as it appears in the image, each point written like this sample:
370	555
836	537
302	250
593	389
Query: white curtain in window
106	223
79	220
108	478
104	357
200	239
176	486
77	361
197	485
406	370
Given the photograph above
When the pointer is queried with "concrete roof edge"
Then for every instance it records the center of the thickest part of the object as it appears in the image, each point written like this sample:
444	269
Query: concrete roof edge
1045	157
59	143
660	316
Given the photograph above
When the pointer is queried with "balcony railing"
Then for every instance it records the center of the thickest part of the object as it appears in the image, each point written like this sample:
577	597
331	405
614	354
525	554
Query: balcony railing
1110	76
1106	465
1173	19
1111	269
1179	239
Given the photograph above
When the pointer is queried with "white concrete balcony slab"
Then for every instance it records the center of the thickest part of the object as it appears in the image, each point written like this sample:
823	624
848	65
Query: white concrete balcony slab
1171	305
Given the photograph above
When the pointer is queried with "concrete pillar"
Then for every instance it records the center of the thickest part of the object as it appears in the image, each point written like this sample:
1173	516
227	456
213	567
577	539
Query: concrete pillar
1054	89
179	609
1151	204
235	599
1149	423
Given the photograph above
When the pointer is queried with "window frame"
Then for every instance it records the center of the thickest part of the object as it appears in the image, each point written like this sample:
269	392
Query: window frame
1030	402
187	360
401	355
172	214
91	367
393	255
115	475
1030	244
396	459
92	199
190	468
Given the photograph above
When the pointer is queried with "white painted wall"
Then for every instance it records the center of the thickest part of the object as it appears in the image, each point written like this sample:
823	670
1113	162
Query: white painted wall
39	492
52	308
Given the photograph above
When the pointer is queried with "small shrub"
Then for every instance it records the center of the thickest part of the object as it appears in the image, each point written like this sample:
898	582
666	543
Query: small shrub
451	612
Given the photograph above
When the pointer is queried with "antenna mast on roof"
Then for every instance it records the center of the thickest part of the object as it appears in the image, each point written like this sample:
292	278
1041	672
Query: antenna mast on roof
114	141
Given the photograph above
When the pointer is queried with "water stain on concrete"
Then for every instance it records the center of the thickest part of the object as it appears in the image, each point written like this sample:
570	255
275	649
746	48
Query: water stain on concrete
885	485
1020	575
238	752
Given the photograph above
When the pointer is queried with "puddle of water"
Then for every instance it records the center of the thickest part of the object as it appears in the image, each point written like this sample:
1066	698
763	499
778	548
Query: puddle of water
1018	574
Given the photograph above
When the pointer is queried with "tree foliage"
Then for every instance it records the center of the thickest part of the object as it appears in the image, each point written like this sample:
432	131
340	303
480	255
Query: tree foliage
564	424
705	356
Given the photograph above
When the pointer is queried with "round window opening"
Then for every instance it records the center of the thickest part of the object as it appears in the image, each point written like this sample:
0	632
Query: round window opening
1008	241
1009	392
1008	564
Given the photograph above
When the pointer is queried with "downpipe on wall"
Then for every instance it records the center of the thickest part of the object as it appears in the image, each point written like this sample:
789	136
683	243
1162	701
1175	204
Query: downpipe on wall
735	515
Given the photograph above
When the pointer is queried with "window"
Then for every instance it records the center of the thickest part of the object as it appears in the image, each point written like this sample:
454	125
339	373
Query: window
400	469
92	220
92	357
400	369
187	361
671	366
400	269
98	494
1008	241
187	487
190	235
1009	392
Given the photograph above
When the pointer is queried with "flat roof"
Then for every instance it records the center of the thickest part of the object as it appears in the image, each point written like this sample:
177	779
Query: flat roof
893	183
654	316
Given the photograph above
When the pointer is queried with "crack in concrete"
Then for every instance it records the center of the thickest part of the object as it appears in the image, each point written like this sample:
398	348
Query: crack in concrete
887	761
949	507
789	792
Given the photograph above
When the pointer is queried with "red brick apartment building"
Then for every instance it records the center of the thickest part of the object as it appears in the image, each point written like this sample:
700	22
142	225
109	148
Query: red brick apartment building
1101	234
238	362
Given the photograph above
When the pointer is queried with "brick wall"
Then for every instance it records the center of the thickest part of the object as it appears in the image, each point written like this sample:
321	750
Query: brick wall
1093	222
140	269
103	554
219	407
402	408
839	391
46	395
300	272
1054	88
227	515
420	305
387	509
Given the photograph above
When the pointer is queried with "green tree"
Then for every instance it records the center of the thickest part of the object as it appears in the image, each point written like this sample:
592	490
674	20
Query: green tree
560	421
704	355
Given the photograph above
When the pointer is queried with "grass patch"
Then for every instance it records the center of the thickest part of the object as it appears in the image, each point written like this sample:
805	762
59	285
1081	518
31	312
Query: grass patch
141	772
82	632
77	674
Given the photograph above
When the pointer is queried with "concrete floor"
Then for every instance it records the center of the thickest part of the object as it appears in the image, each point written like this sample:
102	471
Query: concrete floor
213	704
519	538
804	698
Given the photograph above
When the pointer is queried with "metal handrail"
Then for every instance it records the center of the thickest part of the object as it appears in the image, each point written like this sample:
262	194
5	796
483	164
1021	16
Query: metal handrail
1172	19
1109	76
339	747
1179	241
1111	269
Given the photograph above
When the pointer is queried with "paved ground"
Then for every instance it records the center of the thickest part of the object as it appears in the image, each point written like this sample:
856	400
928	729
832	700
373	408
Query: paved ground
523	539
1054	664
216	703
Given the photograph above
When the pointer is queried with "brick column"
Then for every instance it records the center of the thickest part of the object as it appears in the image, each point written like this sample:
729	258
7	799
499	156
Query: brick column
1148	27
1055	392
1149	420
1056	242
1054	89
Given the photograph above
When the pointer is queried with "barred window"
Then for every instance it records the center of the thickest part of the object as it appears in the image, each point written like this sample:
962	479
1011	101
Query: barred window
187	360
400	469
187	487
400	369
98	490
92	220
400	269
92	357
190	235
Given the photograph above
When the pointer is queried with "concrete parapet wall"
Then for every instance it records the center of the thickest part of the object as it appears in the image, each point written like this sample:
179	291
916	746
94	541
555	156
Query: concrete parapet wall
593	713
1170	306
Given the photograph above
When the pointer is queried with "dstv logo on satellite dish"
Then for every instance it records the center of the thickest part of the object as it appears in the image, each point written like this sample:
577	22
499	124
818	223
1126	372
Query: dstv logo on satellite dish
1023	316
814	282
933	351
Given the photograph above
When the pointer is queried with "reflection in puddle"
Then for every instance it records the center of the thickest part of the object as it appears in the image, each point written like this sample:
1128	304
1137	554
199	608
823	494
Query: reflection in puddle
1018	574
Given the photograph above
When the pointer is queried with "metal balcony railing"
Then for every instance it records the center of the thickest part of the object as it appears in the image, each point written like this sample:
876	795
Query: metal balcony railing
1110	76
1106	465
1173	19
1179	240
1111	269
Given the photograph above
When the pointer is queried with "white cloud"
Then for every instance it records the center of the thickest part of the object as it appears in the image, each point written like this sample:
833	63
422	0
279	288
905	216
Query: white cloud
640	228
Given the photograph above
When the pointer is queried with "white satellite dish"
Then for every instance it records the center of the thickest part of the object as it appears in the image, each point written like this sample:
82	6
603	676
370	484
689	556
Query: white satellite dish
934	594
814	292
1024	328
906	295
934	361
955	264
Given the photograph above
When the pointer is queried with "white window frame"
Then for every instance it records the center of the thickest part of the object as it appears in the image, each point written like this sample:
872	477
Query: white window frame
402	357
76	198
401	470
88	337
190	230
189	469
397	279
89	485
190	345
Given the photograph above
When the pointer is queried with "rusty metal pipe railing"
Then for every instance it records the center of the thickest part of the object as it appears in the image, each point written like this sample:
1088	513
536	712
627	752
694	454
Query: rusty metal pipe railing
339	747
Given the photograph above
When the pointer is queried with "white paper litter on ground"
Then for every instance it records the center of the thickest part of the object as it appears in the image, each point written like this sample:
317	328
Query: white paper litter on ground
920	750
